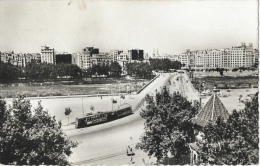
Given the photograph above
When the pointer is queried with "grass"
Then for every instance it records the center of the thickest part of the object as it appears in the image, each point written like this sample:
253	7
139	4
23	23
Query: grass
65	88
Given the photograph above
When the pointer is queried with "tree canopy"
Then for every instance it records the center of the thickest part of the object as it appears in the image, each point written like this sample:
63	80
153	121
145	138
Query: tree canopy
8	72
143	70
164	64
234	142
115	69
31	136
168	128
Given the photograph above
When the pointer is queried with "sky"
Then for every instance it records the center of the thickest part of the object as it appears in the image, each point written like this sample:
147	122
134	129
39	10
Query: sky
169	26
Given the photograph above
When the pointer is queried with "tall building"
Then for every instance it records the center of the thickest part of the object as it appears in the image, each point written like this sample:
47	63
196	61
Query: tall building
199	58
91	50
63	58
136	55
256	57
241	56
83	59
47	55
234	57
122	59
184	58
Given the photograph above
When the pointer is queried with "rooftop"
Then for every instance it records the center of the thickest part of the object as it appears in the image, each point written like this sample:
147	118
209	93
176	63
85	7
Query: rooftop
210	112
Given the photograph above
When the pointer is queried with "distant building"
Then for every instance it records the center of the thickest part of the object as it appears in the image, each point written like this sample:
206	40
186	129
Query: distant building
122	59
184	58
83	59
64	58
237	56
74	58
91	50
31	57
114	54
136	55
47	55
101	59
256	57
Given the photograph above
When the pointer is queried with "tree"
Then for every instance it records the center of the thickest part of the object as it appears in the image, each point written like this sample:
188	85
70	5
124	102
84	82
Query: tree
31	136
234	142
235	69
8	72
168	128
115	69
67	112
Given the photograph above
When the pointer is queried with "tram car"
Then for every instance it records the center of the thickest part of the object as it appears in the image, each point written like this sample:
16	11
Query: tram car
103	117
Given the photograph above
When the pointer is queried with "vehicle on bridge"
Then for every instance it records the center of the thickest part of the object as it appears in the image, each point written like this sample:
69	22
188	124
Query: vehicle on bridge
102	117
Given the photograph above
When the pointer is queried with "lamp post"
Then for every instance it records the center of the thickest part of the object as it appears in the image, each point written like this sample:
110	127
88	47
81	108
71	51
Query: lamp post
82	107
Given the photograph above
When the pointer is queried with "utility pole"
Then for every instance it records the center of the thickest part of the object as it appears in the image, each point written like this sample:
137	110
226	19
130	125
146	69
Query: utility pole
82	107
119	95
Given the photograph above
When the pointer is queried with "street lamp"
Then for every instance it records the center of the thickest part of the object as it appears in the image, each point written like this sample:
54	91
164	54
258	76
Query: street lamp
82	107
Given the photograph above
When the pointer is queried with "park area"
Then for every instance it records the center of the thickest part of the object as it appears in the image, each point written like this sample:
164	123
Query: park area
67	88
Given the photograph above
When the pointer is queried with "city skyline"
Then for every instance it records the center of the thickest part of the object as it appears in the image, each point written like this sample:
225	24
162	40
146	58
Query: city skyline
170	26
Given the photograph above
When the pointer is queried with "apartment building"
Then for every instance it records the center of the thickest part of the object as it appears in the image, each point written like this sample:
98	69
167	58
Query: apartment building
115	53
20	59
256	57
136	55
103	58
199	58
184	58
234	57
47	55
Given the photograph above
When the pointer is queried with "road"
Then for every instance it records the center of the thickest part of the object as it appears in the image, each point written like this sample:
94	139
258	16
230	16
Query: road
106	144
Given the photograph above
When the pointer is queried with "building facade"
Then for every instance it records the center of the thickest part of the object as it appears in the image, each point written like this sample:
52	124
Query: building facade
47	55
136	55
115	53
20	59
234	57
63	58
101	59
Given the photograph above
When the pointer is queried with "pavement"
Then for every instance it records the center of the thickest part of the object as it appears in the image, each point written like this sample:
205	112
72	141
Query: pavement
106	144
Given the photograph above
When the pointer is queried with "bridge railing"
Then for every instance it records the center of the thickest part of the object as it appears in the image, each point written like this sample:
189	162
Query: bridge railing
140	90
139	105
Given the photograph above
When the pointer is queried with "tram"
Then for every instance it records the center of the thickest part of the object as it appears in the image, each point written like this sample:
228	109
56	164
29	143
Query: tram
103	117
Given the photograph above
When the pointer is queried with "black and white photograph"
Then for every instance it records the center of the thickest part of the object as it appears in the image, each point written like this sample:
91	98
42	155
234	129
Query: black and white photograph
128	82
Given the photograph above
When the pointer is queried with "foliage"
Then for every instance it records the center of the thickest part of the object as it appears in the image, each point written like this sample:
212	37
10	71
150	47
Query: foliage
50	71
31	136
139	69
8	72
115	69
235	141
67	112
164	64
168	128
